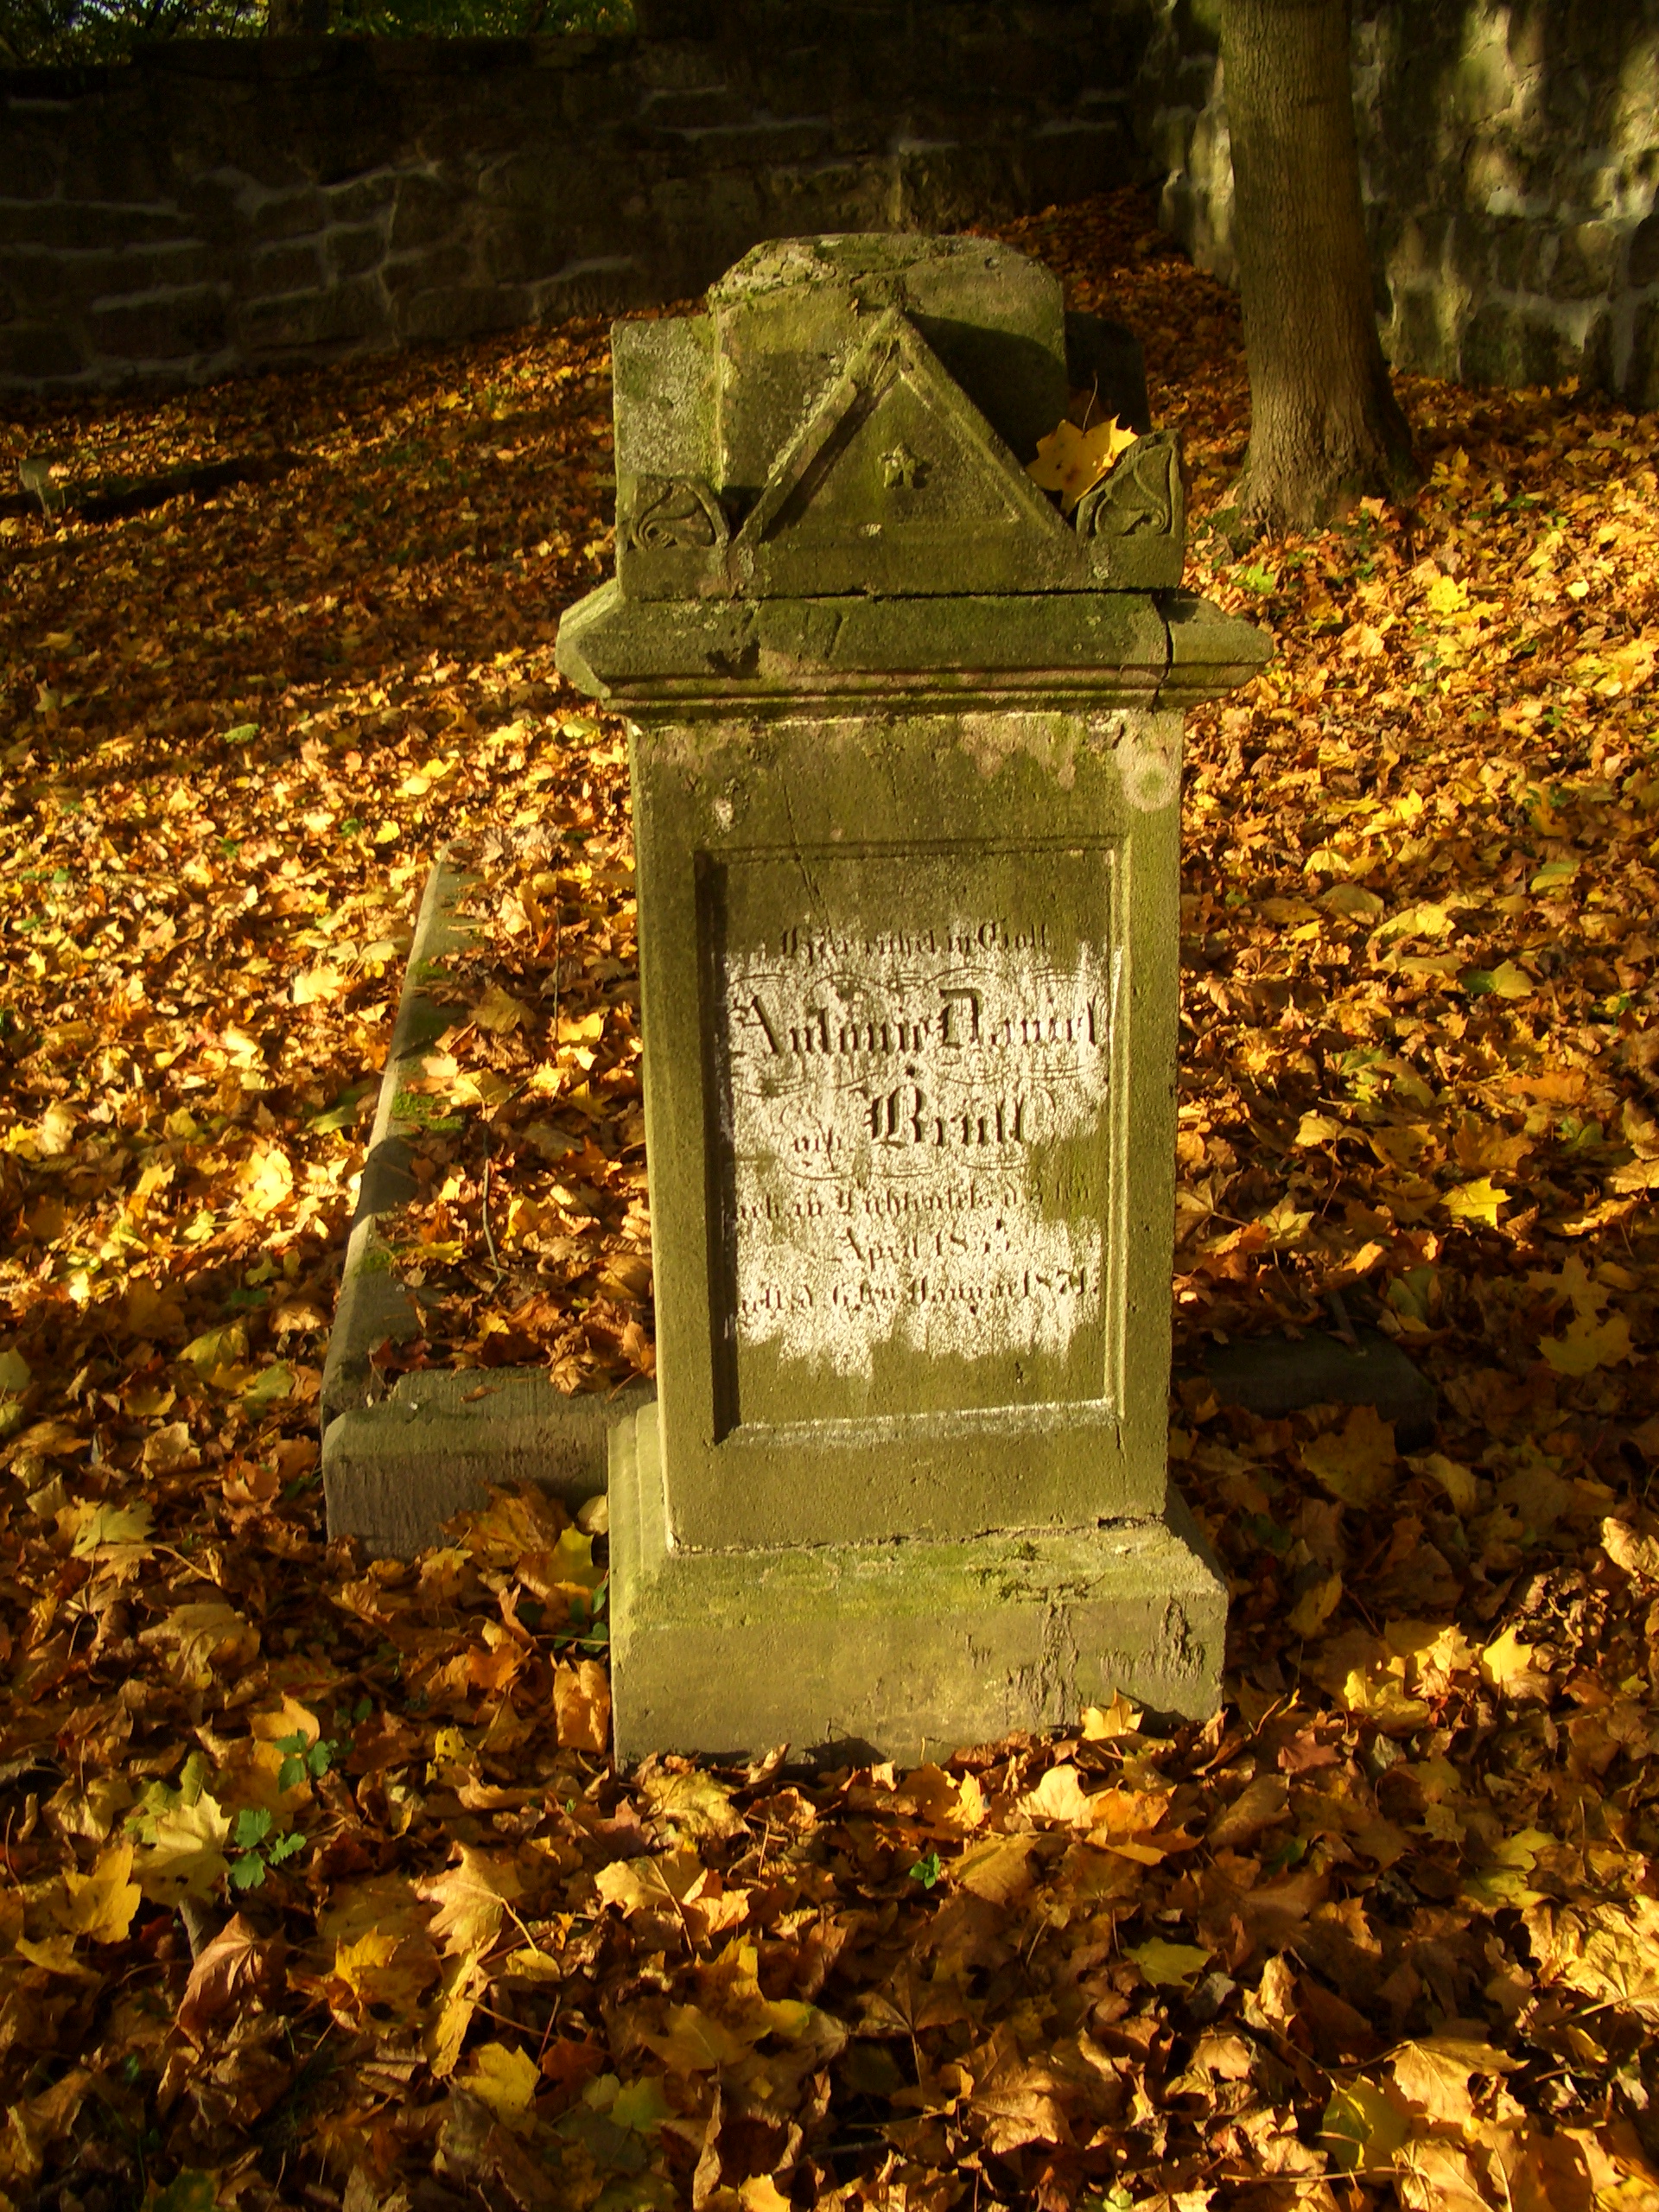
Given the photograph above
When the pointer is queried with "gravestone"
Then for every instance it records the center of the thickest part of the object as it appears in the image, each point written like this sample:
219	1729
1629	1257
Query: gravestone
906	764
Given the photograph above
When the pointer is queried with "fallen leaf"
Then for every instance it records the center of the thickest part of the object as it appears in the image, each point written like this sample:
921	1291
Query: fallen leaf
240	1965
1588	1344
1477	1202
500	1010
473	1897
180	1851
1457	1481
1356	1463
1506	1664
1071	462
1169	1965
505	2080
101	1904
694	1804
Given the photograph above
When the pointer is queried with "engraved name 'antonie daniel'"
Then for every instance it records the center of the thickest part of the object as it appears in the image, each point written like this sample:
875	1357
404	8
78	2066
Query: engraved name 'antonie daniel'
955	1041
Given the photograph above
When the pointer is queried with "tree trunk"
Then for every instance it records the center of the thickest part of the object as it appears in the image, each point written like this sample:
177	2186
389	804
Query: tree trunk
1324	424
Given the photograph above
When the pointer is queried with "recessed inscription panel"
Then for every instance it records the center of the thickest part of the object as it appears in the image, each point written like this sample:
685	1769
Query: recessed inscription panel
913	1065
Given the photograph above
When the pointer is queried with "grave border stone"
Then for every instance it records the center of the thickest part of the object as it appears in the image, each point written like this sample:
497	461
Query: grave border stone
399	1462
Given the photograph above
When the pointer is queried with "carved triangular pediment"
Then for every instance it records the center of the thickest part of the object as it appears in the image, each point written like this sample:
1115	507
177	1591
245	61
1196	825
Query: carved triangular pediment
898	484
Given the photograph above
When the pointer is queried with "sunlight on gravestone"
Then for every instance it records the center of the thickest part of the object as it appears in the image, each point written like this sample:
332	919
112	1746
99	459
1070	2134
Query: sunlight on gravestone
906	775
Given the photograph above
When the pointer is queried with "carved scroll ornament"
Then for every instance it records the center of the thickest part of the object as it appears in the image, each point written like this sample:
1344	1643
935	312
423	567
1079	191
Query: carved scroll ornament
675	513
1142	497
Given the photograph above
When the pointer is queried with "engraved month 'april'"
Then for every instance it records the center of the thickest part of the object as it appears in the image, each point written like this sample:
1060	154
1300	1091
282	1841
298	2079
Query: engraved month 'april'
901	1102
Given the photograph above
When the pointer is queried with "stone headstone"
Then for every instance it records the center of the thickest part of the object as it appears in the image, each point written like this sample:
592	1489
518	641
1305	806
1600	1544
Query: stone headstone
906	775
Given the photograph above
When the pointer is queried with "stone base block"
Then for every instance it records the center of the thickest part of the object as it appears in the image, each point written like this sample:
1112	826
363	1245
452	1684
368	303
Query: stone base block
901	1650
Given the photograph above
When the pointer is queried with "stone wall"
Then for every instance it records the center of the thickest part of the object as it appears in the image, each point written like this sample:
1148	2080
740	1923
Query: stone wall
1509	155
233	204
230	204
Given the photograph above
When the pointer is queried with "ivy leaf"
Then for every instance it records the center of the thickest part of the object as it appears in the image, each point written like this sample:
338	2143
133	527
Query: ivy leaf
252	1826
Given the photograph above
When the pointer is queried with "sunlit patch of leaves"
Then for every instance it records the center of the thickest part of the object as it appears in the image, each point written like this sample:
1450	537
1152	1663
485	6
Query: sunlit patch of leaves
531	1239
1382	1932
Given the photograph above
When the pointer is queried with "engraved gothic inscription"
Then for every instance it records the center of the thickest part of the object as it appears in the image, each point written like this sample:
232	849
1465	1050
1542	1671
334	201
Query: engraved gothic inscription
916	1054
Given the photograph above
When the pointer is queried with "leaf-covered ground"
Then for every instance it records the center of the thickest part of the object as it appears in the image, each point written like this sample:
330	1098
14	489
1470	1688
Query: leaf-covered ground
317	1887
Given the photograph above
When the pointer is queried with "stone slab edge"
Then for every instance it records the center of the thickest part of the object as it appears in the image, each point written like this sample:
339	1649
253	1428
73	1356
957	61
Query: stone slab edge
903	1650
395	1471
395	1468
372	1305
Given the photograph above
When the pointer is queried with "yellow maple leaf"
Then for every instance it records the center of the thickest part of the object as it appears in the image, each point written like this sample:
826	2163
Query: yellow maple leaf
216	1348
1316	1605
1318	1128
506	2081
383	1902
499	1010
1121	1718
1439	1661
1506	1664
1610	1952
1356	1465
761	2194
697	1804
450	2018
652	1884
1430	921
1631	1551
582	1711
202	1637
570	1563
265	1180
472	1898
1477	1202
1455	1479
384	1970
695	2042
180	1855
54	1955
1446	595
98	1529
1073	462
1575	1283
480	1088
1169	1965
1433	2073
1511	980
316	983
33	2124
1588	1344
101	1904
1058	1796
997	1870
1364	2125
1379	1695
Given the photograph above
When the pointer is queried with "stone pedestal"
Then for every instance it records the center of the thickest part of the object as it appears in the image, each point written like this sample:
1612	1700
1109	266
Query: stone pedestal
906	779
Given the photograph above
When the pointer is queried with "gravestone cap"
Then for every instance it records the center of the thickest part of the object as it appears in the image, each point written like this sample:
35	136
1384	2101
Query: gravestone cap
856	414
791	311
906	763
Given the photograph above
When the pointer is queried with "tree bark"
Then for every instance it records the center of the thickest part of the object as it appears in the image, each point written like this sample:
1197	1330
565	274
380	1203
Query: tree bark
1324	425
